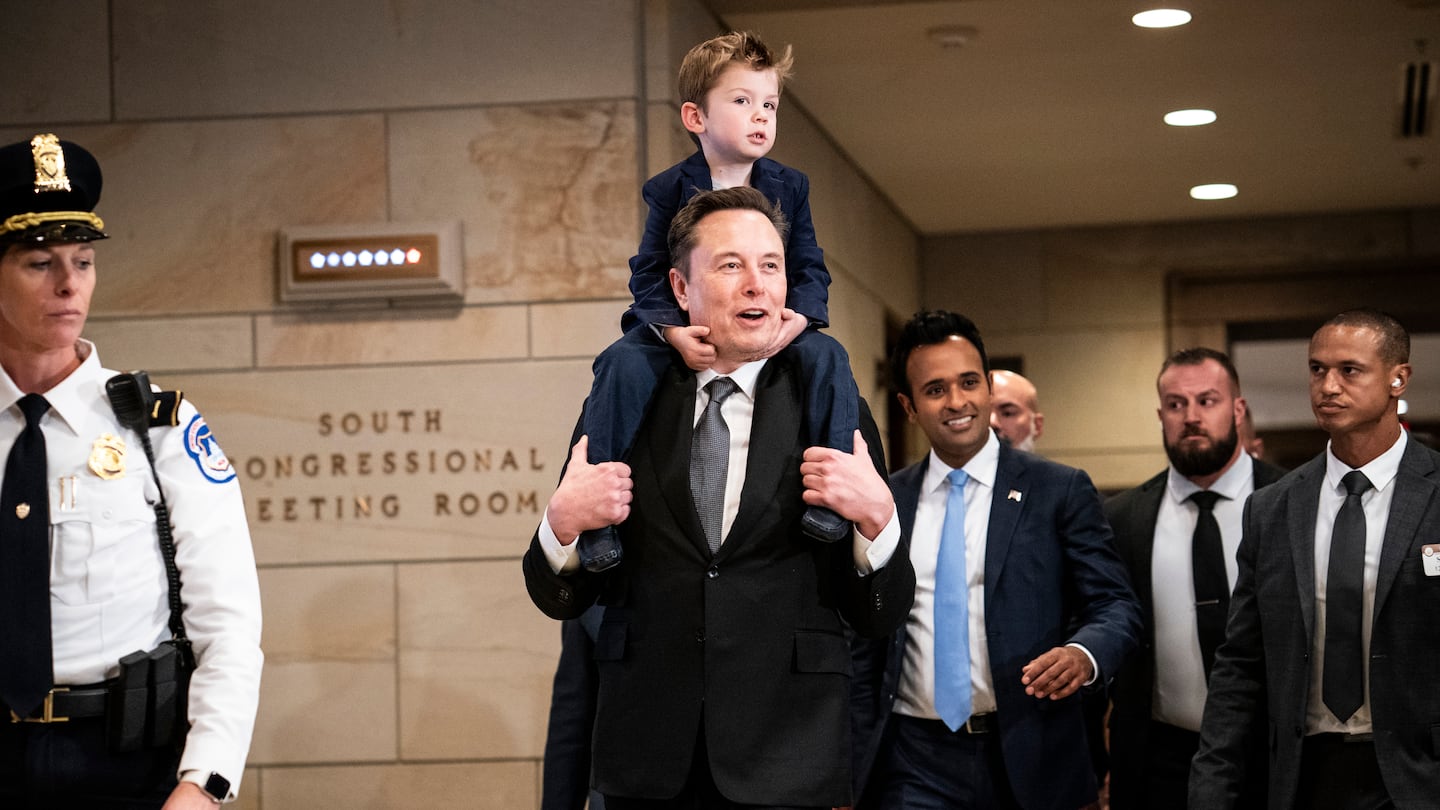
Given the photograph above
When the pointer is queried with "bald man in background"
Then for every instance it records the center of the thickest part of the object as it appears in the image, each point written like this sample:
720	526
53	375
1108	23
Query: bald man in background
1016	414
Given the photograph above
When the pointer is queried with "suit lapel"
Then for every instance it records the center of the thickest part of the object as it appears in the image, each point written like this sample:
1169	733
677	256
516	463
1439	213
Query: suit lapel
673	416
697	177
1415	487
773	429
1146	515
765	178
1005	513
1304	503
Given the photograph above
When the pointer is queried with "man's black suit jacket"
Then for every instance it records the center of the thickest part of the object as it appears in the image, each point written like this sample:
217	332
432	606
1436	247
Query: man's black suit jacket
1051	577
1263	668
1132	515
749	645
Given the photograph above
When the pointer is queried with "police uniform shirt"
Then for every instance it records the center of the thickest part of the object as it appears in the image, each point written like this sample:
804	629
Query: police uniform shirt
108	593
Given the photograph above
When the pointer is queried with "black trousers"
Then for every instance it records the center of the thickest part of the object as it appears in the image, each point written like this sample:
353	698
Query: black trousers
699	793
1337	773
69	765
922	765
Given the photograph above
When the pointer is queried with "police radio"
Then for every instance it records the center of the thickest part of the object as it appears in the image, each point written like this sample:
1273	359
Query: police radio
150	697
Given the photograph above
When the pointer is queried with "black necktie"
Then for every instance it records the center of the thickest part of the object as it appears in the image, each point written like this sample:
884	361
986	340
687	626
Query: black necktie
1212	587
26	672
710	462
1344	686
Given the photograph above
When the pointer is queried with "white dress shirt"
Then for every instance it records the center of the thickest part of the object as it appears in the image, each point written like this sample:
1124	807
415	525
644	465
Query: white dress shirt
738	410
1180	690
1381	471
108	593
916	695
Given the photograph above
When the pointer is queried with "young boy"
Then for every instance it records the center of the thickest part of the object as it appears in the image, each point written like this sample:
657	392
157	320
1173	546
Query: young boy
730	89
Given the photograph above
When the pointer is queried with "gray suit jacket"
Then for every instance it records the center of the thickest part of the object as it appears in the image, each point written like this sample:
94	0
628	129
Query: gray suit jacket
1263	668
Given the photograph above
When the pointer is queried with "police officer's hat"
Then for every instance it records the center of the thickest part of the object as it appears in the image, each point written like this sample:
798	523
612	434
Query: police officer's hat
48	192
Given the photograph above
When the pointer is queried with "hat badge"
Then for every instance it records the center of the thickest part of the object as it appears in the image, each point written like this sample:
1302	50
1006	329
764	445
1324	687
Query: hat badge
49	163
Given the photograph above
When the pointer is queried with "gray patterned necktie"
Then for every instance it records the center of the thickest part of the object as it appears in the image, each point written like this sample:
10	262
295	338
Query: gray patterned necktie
710	461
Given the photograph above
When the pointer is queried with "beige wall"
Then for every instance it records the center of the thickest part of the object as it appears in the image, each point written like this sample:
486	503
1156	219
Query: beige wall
395	458
1086	308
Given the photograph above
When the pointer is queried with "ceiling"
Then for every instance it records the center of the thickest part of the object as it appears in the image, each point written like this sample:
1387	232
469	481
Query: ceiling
1051	114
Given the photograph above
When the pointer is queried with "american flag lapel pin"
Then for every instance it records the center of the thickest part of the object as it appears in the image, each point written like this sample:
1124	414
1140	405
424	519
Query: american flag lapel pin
1013	496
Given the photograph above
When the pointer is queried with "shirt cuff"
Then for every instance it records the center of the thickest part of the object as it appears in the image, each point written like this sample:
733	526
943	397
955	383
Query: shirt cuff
1094	667
872	555
198	778
562	558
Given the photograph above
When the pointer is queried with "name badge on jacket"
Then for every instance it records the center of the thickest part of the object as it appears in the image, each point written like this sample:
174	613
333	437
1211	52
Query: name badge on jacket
1430	555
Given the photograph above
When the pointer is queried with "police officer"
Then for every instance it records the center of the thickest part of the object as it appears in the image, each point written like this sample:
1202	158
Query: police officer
83	580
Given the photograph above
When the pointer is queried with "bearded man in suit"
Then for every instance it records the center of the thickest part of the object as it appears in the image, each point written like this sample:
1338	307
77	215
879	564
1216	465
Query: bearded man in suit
1177	534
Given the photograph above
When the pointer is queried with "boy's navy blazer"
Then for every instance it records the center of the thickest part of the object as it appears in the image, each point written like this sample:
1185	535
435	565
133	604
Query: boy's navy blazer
1051	577
667	192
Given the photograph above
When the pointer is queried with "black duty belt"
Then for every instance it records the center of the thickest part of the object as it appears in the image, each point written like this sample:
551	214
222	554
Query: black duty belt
68	702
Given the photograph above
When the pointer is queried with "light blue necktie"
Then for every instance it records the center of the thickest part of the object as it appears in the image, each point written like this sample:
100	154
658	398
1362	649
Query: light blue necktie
952	612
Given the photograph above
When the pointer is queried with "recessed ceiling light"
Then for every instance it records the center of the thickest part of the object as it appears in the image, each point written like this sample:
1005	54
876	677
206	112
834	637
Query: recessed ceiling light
1190	118
1161	18
1214	191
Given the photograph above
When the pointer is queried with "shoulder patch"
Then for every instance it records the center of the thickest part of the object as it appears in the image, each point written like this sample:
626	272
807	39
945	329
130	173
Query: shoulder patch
201	445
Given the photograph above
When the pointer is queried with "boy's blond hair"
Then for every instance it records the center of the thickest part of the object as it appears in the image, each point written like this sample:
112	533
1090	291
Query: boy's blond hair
703	65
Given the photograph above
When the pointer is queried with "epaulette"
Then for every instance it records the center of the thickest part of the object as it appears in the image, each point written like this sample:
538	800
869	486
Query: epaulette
166	411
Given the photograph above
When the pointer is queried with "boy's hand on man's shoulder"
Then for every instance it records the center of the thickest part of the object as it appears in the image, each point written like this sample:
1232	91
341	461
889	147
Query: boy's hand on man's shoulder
690	342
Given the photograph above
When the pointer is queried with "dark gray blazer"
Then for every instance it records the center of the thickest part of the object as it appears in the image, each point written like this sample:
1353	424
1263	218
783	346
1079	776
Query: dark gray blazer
1263	668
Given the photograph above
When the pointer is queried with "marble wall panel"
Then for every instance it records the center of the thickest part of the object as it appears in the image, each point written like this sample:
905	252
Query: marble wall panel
997	280
854	224
1097	391
498	785
580	329
329	613
58	69
193	208
546	194
174	344
328	692
420	462
408	335
476	661
325	711
210	57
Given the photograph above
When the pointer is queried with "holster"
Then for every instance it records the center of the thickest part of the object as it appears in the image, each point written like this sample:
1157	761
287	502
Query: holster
148	702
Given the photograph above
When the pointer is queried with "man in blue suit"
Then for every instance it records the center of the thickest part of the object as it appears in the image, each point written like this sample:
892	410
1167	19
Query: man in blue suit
1020	601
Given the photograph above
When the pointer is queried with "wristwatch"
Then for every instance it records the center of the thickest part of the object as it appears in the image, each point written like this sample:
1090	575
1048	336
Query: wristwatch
218	787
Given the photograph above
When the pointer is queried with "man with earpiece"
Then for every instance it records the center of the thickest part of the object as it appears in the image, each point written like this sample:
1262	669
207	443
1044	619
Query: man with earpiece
1330	653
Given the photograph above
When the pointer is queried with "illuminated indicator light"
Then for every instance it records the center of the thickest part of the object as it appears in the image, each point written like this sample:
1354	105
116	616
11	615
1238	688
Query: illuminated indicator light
1214	191
317	260
366	258
382	258
397	256
1190	118
413	256
1161	18
348	258
333	259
